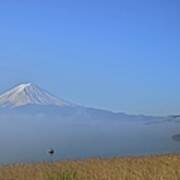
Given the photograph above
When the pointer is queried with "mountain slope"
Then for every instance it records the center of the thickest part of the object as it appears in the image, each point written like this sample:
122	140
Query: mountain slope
31	100
26	94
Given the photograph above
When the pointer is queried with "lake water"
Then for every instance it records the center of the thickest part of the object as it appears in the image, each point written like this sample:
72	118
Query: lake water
26	141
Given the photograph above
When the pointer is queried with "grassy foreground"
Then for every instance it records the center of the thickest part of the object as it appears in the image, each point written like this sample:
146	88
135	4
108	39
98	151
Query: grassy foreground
166	167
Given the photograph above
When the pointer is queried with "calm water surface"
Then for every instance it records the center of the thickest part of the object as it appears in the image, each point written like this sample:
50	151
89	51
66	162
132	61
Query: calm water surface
28	141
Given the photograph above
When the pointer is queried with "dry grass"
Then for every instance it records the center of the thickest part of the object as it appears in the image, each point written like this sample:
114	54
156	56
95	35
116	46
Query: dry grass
165	167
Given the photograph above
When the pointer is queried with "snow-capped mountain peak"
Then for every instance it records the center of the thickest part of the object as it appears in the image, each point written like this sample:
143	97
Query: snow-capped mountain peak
29	93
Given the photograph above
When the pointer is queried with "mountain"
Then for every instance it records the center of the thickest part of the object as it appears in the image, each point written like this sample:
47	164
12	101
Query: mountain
26	94
29	99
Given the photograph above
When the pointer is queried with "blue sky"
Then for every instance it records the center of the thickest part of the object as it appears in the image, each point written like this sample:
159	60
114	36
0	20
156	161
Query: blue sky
120	55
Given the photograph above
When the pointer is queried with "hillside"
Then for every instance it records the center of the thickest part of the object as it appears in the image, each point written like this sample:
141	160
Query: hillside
166	167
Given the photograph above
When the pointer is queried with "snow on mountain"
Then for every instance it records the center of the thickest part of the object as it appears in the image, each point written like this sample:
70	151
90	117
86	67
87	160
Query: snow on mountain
26	94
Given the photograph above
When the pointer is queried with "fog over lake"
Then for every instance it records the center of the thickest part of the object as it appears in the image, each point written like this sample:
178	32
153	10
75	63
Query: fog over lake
27	138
